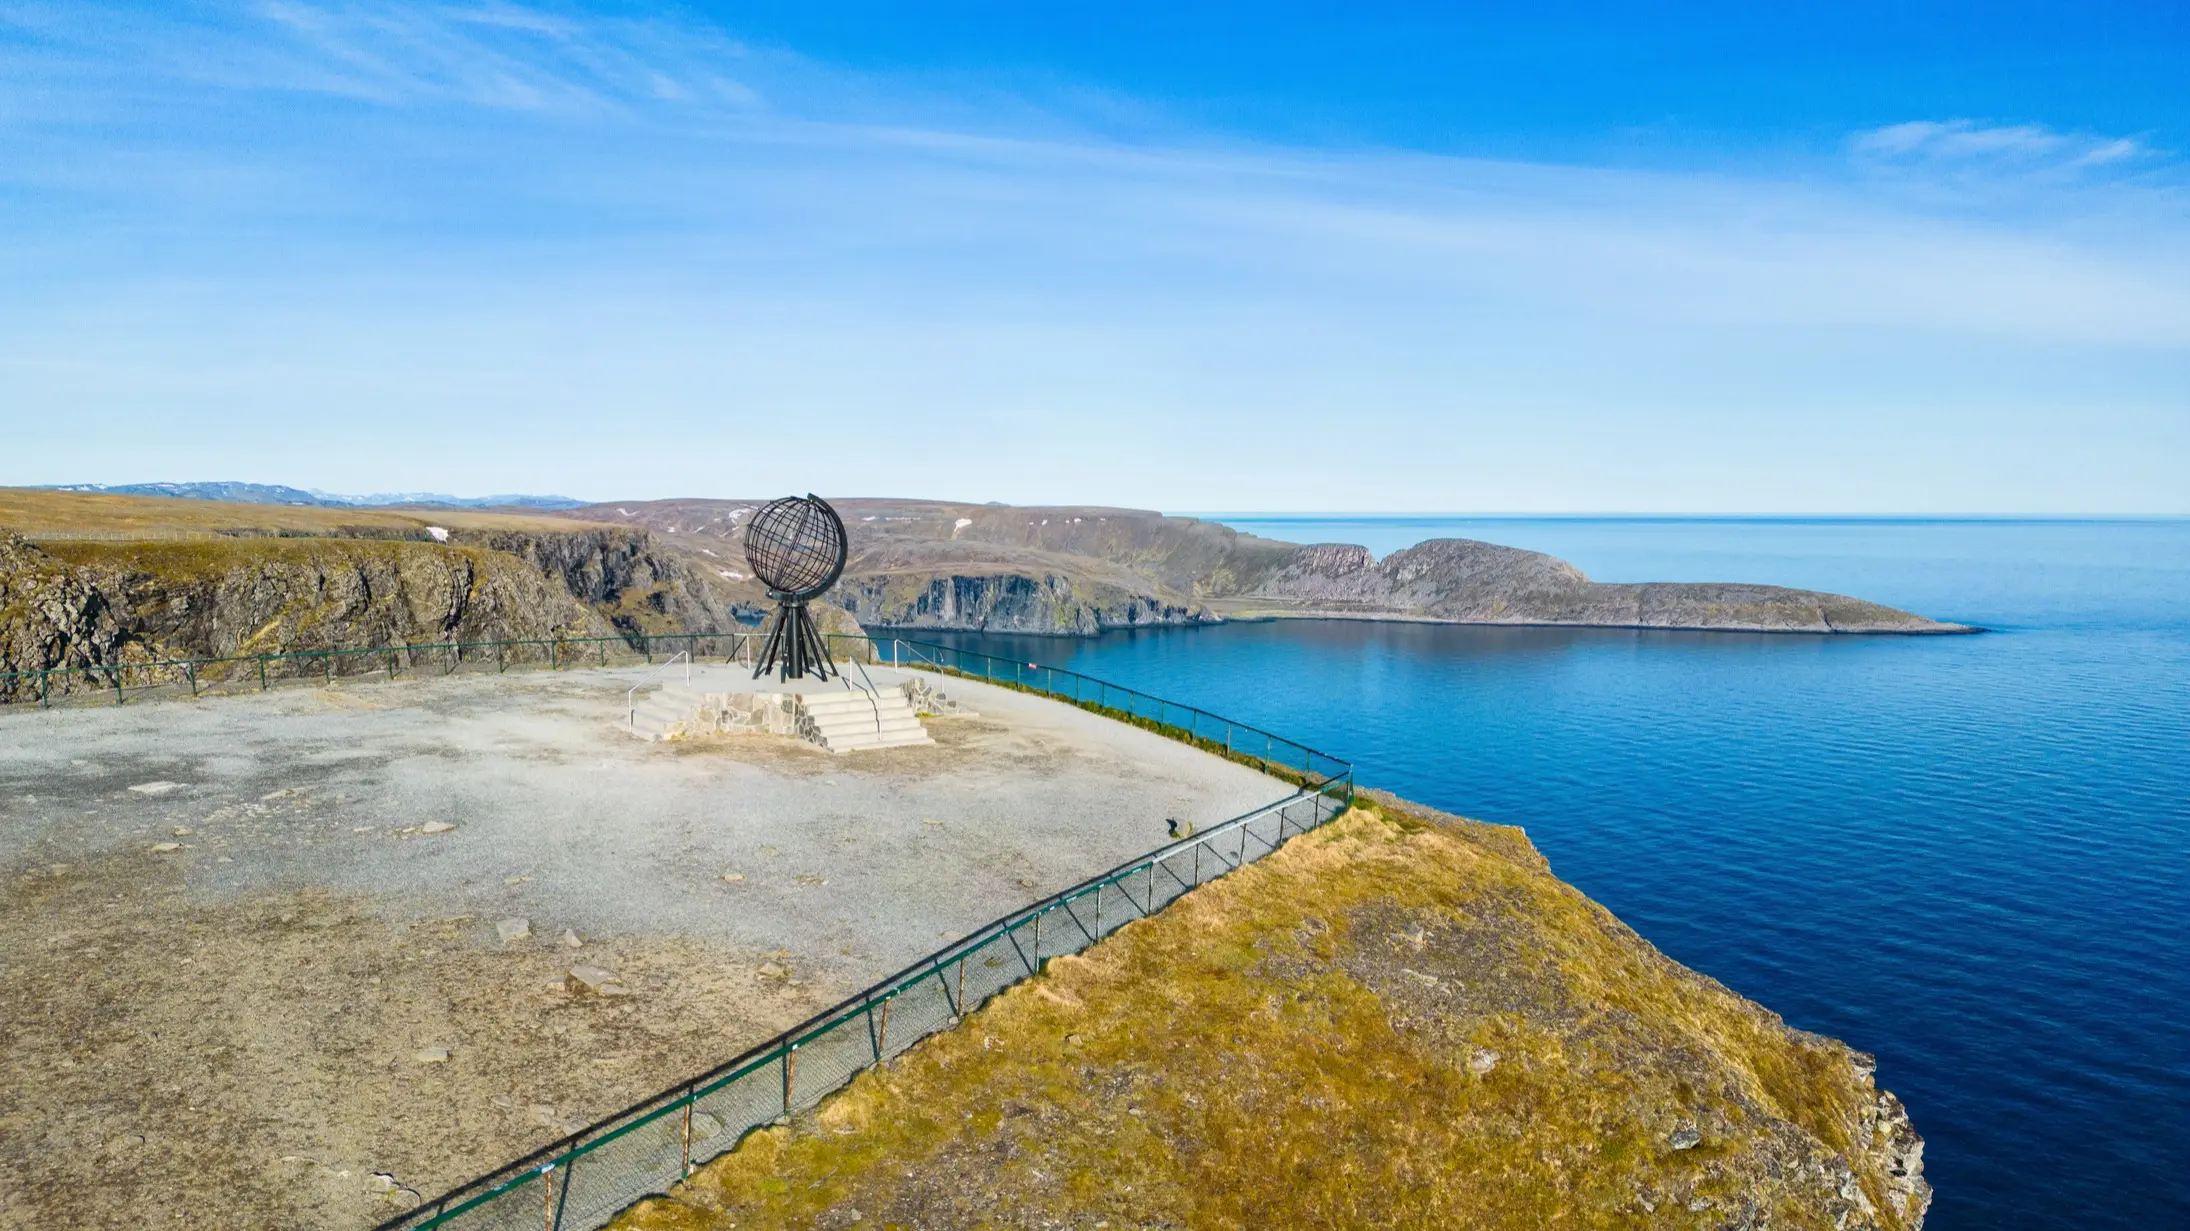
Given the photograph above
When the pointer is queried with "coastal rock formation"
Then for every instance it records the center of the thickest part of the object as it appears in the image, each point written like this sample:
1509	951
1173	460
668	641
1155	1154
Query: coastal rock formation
102	604
1007	602
107	581
1400	1020
1081	570
1466	581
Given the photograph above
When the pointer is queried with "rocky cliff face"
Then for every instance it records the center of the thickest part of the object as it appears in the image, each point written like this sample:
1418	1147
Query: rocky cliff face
76	603
1051	603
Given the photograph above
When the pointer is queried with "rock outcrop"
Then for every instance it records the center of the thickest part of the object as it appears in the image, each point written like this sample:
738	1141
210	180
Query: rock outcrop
1050	603
146	581
1465	581
103	604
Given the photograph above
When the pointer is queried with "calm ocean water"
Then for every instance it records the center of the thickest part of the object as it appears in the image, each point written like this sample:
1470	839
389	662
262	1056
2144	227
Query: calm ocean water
1969	855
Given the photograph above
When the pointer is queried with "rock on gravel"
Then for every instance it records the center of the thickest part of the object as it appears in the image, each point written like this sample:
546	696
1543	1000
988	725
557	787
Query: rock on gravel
431	1055
597	981
435	827
156	788
513	930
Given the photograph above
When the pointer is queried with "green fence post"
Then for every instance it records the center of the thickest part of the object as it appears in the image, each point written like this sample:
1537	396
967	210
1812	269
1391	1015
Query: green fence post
646	647
604	651
117	684
190	670
262	672
555	648
43	676
327	668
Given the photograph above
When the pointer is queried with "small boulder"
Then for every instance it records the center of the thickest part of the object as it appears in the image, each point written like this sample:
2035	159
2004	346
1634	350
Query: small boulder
162	848
570	939
431	1055
156	788
773	971
595	980
435	827
1482	1061
1685	1138
513	930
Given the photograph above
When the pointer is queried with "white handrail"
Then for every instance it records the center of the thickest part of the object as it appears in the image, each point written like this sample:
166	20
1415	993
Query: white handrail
631	703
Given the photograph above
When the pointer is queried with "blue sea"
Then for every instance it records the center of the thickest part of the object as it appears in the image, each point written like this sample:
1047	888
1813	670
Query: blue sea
1968	855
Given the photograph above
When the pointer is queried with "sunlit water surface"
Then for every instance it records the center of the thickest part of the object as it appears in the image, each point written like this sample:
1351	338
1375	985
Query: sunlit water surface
1969	855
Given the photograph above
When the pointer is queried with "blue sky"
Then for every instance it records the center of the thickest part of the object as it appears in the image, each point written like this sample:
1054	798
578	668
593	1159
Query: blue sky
1654	258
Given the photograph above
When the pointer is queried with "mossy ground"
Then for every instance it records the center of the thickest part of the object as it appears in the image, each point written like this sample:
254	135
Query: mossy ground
1397	1021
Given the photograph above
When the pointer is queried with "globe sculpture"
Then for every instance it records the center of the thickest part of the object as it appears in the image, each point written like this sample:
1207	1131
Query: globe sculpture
796	547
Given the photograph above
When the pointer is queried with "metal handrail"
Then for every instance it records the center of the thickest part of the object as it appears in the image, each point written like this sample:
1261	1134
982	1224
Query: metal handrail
631	704
874	695
1312	762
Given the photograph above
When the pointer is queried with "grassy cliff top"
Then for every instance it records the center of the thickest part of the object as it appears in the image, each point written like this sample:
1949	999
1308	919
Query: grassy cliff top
1401	1020
35	514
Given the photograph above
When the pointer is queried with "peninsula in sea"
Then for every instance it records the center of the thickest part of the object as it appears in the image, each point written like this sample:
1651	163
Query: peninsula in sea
1078	570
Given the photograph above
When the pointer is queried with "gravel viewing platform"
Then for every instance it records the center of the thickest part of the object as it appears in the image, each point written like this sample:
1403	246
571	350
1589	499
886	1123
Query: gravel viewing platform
283	959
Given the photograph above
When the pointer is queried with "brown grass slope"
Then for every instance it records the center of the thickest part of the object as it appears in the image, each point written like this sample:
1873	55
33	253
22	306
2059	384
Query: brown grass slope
1401	1020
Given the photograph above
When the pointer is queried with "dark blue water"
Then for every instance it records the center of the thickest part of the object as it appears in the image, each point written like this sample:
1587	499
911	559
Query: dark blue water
1969	855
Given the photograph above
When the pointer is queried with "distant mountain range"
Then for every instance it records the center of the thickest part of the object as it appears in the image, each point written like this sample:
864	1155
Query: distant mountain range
275	493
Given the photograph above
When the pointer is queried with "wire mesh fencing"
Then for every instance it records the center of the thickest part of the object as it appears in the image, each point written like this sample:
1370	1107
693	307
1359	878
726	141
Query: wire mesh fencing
585	1180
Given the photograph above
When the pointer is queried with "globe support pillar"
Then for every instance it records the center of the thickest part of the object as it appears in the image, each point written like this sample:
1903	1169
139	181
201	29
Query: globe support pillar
794	647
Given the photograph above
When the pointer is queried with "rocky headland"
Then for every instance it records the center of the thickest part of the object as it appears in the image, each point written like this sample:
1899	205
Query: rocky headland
1081	570
1401	1020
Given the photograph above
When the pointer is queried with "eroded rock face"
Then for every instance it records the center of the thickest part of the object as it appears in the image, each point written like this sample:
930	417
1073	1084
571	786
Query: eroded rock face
1009	602
101	604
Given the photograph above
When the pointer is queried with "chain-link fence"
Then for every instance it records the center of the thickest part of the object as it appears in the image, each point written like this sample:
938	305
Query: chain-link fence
583	1181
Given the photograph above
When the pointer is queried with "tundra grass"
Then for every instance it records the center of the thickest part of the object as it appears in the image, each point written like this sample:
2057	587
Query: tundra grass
1392	1022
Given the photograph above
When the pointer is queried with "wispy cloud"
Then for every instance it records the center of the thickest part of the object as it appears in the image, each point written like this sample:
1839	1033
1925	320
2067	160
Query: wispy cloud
2013	145
444	207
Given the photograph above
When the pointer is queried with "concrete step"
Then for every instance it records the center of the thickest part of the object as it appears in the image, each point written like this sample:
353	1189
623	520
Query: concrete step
870	741
860	721
857	730
858	703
